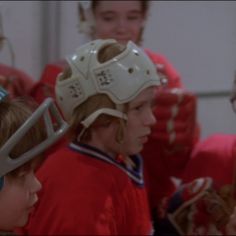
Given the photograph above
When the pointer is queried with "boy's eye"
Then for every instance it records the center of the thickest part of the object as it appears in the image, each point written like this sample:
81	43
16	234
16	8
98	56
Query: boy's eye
133	17
108	17
138	108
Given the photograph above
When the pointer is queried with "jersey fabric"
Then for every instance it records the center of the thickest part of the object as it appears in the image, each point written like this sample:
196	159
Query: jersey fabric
45	86
214	157
16	82
86	192
217	154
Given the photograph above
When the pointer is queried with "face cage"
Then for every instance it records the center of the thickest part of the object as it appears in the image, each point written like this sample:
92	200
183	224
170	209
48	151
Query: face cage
3	94
51	116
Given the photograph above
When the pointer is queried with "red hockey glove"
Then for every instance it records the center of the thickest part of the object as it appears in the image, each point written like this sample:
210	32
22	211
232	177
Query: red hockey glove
175	112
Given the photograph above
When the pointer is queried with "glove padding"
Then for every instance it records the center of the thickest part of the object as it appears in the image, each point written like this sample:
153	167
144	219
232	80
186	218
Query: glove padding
231	226
175	112
197	208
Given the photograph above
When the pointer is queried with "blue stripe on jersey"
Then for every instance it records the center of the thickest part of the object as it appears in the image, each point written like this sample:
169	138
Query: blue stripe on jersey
135	173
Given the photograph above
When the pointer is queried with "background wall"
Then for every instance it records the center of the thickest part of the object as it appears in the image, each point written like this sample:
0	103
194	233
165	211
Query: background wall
22	24
198	37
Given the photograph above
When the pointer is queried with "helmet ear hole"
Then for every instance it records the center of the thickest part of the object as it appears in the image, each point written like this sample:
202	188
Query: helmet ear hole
131	70
109	51
82	58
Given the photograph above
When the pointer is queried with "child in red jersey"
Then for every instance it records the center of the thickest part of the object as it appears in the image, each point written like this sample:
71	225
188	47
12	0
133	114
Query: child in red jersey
95	186
23	139
175	135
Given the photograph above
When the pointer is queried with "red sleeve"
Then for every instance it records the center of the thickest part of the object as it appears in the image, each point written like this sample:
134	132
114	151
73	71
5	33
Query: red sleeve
20	84
24	83
177	157
213	157
45	86
174	80
161	160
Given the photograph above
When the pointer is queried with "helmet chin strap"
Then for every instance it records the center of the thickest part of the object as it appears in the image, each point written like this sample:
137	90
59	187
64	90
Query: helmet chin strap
91	118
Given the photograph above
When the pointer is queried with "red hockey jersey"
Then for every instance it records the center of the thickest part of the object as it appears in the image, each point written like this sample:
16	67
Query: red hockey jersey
85	192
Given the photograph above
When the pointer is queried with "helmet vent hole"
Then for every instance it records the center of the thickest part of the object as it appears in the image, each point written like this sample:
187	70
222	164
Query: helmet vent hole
148	72
131	70
82	58
136	53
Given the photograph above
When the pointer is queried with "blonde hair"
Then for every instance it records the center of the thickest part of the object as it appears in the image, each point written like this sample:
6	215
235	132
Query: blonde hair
95	102
12	115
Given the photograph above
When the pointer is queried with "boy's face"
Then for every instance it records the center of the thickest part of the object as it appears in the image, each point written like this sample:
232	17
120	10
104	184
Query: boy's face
17	198
120	20
140	120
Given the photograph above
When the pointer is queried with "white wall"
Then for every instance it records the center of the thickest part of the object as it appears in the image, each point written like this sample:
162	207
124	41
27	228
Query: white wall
22	25
198	37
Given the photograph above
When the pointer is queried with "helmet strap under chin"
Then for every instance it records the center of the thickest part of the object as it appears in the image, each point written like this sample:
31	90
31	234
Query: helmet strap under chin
92	117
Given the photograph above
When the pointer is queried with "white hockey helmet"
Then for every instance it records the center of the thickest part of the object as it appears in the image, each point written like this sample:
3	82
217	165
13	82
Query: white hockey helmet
122	78
55	127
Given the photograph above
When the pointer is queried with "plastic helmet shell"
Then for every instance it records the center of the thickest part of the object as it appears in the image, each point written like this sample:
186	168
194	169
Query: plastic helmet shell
122	78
